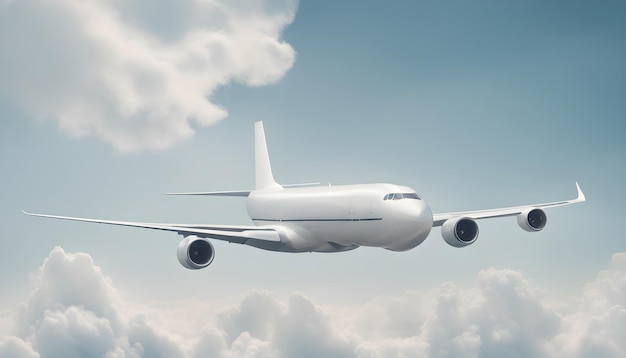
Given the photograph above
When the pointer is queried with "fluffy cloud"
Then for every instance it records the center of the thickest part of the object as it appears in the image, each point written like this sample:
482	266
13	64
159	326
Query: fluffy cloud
74	311
137	74
11	346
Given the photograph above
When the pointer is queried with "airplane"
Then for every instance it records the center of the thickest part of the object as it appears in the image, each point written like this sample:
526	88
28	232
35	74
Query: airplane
313	218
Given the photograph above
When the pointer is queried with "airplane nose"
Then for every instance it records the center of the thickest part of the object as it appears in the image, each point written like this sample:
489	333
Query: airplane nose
417	214
417	221
422	219
424	216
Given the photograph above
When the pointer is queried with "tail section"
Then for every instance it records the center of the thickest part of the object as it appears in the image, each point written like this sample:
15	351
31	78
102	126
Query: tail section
264	177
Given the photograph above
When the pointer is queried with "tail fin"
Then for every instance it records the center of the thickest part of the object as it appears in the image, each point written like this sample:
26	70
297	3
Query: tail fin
264	177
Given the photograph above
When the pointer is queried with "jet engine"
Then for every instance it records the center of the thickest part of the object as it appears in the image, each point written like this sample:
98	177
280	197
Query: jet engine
532	219
195	253
459	232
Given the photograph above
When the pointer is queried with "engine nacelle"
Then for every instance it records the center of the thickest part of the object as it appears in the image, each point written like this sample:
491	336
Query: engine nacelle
459	232
532	219
195	253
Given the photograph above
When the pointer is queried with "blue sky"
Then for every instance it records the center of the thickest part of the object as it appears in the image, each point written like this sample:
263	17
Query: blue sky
475	105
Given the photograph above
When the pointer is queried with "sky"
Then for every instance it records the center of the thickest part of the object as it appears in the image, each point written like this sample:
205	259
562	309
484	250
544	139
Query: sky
107	105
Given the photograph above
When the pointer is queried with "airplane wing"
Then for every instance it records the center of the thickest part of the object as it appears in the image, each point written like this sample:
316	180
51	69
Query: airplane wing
439	219
236	234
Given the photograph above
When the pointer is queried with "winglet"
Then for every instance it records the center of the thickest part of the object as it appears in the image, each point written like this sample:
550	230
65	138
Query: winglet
581	195
263	169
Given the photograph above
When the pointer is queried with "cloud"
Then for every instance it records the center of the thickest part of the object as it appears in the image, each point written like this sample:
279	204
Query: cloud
74	311
596	325
11	346
137	74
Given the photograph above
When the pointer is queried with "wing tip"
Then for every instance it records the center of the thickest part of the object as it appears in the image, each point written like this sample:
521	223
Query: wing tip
581	196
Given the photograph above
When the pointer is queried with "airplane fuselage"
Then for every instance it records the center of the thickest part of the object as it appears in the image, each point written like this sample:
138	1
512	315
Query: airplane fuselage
344	217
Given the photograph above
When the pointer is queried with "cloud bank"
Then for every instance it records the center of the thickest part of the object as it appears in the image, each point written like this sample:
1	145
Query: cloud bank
75	311
137	74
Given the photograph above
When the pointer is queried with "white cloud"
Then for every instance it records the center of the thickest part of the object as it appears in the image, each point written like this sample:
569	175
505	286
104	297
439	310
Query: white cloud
596	326
74	311
119	71
65	281
73	332
11	346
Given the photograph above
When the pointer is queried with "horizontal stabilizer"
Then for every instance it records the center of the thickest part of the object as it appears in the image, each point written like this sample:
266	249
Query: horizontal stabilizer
243	193
300	185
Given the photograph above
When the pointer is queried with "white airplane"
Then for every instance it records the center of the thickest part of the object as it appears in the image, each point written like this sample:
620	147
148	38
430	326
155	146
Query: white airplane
309	218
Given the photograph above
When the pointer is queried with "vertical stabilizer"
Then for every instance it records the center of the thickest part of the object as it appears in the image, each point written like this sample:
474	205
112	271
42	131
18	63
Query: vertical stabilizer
264	177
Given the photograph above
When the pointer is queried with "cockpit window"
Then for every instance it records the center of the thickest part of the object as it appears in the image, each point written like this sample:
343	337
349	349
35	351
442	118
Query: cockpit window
410	196
398	196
